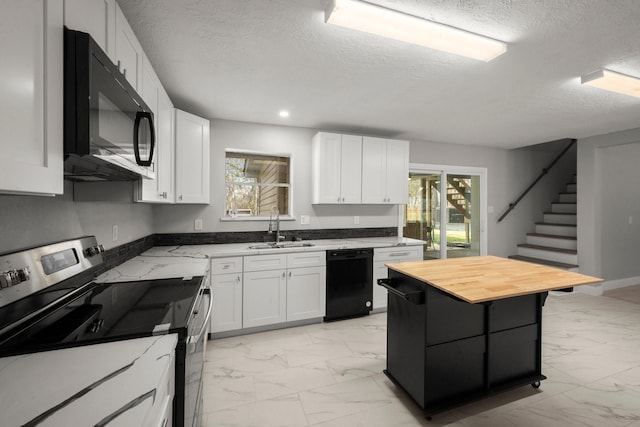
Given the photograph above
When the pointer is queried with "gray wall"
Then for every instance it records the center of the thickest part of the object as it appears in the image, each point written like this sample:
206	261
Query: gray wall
33	220
509	172
607	196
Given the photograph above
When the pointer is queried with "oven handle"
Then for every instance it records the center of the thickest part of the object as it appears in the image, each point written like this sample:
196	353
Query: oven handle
195	338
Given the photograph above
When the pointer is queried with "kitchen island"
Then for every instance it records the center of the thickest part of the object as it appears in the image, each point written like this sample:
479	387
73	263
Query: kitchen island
462	329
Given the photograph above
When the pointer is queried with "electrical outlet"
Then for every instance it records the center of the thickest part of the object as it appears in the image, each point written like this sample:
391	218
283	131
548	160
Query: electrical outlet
304	219
197	224
114	233
356	220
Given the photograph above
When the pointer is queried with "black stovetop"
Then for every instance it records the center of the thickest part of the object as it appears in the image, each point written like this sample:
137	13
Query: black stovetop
100	313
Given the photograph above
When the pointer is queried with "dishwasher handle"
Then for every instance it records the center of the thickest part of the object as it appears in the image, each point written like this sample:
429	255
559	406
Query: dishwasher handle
408	293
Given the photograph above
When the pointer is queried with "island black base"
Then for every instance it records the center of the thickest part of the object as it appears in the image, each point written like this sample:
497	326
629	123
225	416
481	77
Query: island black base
445	352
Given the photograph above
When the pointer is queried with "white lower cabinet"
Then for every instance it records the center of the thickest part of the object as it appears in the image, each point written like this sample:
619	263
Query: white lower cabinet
264	300
226	283
382	256
306	293
274	293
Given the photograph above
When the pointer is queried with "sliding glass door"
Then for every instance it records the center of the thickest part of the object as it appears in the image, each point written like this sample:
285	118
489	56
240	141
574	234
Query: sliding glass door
457	230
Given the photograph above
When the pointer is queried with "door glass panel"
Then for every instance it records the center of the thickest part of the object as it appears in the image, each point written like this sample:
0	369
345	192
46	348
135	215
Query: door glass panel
422	214
462	219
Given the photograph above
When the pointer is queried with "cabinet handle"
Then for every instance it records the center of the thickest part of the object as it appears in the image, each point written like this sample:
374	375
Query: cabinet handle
283	276
289	275
400	254
180	197
338	199
238	279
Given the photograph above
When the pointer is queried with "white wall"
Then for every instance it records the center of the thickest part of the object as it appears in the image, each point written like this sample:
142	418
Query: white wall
607	196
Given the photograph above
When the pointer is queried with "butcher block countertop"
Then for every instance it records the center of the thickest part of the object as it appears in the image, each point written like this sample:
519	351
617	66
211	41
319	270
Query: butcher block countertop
487	278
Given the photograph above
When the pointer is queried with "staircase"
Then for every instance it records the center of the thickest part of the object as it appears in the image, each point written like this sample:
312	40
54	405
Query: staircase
554	242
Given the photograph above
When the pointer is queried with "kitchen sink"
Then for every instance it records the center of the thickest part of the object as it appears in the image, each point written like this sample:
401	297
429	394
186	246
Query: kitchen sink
281	245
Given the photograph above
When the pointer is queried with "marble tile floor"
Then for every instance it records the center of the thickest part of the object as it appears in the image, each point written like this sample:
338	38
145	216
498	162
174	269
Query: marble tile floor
330	374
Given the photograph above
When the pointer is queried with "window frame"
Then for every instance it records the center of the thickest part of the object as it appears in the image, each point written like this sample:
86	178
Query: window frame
289	216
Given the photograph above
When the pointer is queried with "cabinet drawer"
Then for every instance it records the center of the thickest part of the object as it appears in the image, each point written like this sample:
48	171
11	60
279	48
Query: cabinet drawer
513	354
265	262
226	265
450	319
398	253
513	312
306	259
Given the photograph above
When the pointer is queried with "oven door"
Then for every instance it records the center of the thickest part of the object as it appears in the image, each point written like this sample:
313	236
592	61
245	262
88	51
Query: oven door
195	354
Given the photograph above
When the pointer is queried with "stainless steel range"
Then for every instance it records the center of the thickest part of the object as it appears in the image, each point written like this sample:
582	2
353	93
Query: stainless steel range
49	300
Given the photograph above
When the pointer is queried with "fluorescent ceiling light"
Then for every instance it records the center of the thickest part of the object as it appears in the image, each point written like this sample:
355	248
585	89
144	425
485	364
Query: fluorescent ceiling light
614	82
395	25
284	114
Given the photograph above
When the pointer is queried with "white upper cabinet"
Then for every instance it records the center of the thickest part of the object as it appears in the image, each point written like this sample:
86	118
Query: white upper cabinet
336	168
191	158
160	189
128	51
385	171
96	17
31	97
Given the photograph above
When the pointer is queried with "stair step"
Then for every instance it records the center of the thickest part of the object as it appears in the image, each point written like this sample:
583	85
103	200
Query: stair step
572	188
567	256
564	207
548	248
557	229
552	236
567	197
544	262
561	242
560	218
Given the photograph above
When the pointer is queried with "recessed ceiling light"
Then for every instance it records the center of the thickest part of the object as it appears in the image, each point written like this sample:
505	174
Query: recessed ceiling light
284	114
395	25
613	82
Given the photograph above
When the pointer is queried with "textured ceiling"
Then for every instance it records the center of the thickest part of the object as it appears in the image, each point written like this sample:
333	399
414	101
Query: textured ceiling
247	59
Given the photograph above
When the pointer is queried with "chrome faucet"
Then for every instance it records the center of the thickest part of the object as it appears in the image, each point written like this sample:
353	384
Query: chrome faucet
278	237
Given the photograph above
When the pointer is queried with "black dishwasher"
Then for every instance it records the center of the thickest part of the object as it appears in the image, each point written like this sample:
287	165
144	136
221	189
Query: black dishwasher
349	283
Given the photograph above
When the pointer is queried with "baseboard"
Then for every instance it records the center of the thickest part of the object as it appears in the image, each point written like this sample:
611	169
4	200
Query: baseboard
595	289
610	285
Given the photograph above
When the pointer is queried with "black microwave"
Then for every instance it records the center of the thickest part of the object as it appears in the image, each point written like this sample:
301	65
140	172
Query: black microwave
108	129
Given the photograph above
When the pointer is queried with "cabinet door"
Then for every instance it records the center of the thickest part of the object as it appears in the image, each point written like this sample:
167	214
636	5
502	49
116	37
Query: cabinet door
306	293
160	189
351	169
374	170
264	298
192	158
326	167
31	99
226	314
128	51
397	175
96	17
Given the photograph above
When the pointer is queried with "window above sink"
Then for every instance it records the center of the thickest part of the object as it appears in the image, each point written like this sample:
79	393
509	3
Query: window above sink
255	183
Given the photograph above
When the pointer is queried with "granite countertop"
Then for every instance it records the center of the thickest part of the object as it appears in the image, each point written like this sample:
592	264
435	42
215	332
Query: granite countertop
195	252
86	385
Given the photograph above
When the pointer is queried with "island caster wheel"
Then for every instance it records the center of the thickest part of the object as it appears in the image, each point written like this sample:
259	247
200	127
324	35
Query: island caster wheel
535	384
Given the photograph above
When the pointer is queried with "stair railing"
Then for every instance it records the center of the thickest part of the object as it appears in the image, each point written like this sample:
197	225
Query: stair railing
544	172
